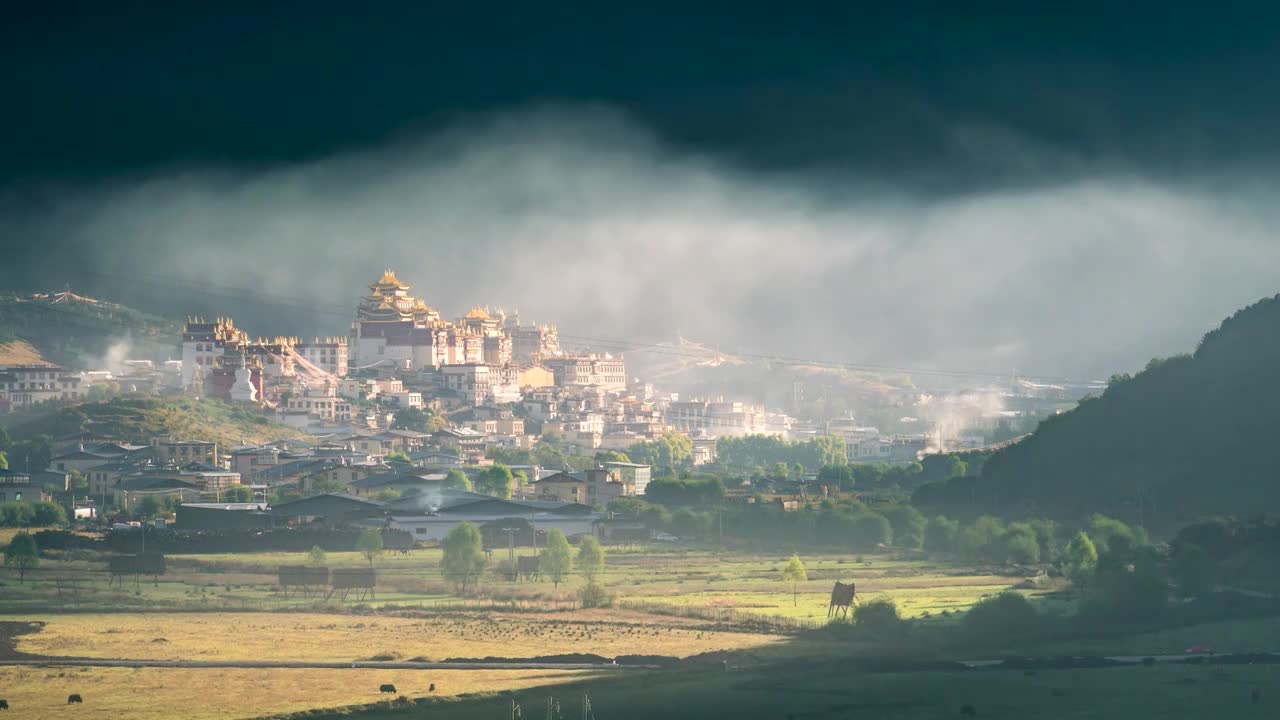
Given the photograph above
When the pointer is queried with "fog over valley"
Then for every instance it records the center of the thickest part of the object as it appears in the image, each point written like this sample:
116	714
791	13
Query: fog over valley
579	216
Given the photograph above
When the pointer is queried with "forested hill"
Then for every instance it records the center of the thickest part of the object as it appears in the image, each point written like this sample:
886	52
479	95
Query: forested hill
81	332
1189	436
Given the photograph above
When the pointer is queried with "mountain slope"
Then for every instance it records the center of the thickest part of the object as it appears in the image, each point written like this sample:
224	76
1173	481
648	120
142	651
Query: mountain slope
1188	436
78	331
138	419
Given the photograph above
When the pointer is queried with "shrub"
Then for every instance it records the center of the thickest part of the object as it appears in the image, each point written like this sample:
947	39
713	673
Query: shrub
871	530
1021	545
982	539
46	514
16	514
1124	595
940	535
593	595
1006	615
908	525
878	617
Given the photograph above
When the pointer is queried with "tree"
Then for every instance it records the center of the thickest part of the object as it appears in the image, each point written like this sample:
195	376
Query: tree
556	560
779	471
317	556
870	530
149	506
612	456
22	553
4	461
793	574
418	420
32	455
16	514
463	556
457	480
940	535
1020	545
322	484
1081	559
590	558
495	481
369	544
47	514
398	455
238	494
908	525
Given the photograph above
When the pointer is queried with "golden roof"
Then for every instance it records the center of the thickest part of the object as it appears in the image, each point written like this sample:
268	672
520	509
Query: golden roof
478	313
389	279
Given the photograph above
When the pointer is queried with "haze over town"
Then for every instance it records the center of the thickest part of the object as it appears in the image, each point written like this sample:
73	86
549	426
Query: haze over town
422	360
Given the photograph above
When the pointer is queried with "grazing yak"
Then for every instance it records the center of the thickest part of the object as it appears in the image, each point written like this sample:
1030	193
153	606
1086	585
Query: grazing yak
74	698
387	688
4	704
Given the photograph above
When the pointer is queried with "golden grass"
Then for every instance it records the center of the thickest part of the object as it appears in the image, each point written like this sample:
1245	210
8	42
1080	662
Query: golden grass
298	636
200	694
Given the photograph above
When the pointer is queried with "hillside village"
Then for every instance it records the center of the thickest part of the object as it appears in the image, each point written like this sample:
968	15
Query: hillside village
411	418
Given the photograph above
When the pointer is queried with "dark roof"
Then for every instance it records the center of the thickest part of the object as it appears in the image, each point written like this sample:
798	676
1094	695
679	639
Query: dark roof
492	506
389	478
155	482
83	455
202	467
326	504
7	473
291	469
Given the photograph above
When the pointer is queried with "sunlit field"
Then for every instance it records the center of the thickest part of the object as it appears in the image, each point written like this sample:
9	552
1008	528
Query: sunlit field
676	602
699	579
197	694
333	637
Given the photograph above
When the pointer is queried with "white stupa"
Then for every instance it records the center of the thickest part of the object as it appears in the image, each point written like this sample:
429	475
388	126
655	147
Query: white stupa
242	389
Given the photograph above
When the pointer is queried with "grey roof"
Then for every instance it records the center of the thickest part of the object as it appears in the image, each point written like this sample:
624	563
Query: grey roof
296	467
390	478
154	481
339	496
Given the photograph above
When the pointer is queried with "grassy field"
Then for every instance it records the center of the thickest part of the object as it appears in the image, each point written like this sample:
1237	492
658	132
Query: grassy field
834	692
742	582
298	636
670	601
199	694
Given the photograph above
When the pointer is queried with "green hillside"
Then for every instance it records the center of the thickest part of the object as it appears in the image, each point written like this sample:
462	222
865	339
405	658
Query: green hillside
82	332
1187	437
140	419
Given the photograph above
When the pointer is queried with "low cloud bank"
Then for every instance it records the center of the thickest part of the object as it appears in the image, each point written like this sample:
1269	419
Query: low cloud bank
576	216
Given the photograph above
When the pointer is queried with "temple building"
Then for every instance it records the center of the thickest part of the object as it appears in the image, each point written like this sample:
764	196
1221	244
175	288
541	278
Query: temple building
327	354
602	371
531	344
203	341
394	328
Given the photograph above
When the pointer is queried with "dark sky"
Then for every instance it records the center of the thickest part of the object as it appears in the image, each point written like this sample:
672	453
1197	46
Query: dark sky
868	87
1029	185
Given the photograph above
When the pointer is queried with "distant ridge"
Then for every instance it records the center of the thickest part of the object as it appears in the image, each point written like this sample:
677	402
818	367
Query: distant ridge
81	332
1189	436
